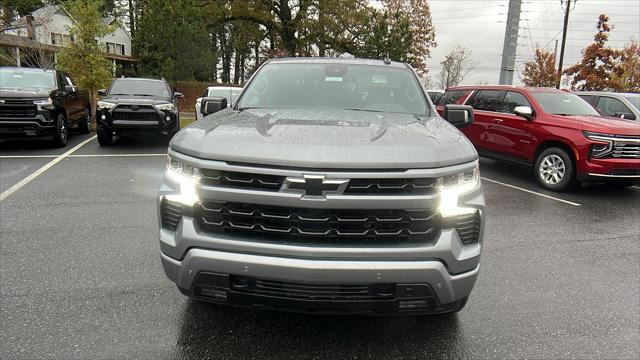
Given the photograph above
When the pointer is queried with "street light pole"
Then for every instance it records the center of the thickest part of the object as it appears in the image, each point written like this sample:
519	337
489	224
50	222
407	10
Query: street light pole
564	41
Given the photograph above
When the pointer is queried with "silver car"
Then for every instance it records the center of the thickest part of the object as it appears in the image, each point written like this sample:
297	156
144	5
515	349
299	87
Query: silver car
620	105
228	92
330	186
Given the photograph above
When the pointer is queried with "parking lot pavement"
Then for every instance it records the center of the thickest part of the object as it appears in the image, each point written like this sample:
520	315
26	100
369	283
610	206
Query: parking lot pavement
81	278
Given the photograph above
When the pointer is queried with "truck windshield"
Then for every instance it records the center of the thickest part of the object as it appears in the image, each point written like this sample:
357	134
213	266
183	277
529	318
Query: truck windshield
27	79
378	88
634	99
562	103
139	87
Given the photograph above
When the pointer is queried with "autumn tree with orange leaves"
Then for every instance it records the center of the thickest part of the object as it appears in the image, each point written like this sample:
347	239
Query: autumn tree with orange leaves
541	71
599	65
626	77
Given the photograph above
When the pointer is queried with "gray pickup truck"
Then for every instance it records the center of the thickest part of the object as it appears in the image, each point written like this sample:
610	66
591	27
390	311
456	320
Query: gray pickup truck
331	186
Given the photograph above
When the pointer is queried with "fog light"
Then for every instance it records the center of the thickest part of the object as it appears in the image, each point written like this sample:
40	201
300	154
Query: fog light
167	119
103	117
219	294
413	304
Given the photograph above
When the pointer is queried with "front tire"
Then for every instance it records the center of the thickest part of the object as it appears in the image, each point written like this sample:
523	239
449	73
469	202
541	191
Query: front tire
105	136
555	169
61	133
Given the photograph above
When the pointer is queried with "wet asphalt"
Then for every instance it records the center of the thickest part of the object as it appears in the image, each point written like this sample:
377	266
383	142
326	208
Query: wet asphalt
80	275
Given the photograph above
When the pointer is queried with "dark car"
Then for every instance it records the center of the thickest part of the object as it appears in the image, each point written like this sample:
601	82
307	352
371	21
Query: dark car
556	132
619	105
37	103
137	106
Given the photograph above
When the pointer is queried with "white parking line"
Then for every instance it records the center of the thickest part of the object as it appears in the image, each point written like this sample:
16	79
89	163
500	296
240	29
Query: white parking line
78	156
532	192
46	167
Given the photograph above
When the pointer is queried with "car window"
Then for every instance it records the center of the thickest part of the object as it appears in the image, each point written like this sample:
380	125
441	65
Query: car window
139	87
435	96
336	86
18	78
489	100
612	107
634	99
563	103
513	99
591	99
229	94
452	97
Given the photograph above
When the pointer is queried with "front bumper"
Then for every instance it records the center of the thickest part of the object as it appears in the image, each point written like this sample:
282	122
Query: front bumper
38	126
610	169
164	122
430	288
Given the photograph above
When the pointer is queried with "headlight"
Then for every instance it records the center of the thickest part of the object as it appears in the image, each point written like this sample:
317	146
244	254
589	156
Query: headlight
451	187
105	105
166	107
44	103
187	177
604	144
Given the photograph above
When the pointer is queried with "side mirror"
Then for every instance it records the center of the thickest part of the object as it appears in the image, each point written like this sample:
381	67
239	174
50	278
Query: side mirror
178	94
524	111
211	105
70	89
627	116
102	92
459	116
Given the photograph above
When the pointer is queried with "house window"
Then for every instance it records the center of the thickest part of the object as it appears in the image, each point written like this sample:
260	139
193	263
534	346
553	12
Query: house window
60	39
113	48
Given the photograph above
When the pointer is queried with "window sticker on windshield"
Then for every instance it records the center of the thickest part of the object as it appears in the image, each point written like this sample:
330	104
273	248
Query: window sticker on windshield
333	79
379	79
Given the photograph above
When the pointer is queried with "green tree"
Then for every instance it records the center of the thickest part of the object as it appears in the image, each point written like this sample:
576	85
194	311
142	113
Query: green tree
172	40
85	58
541	71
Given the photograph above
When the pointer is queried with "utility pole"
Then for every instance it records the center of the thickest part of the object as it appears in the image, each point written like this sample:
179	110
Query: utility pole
510	43
555	53
564	41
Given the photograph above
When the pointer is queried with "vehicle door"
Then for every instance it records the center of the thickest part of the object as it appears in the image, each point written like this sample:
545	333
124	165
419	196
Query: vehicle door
615	108
508	133
73	100
485	105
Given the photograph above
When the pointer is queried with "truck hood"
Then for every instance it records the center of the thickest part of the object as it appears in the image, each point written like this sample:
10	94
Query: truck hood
25	93
139	100
602	125
325	139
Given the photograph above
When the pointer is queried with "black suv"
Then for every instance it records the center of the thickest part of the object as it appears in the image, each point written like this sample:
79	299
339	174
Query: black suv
36	103
137	106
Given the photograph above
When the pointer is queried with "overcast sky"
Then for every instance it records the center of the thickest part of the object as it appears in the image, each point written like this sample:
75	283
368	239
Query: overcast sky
480	24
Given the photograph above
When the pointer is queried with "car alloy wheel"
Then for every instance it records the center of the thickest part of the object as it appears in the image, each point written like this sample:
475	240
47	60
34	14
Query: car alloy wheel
552	169
62	130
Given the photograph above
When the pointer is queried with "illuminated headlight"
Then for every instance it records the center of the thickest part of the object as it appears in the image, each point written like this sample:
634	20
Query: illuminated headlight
101	105
452	187
44	103
165	107
187	178
603	147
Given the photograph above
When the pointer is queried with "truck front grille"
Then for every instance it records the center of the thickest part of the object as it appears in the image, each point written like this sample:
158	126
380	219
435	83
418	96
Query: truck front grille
18	110
143	113
170	214
628	150
356	186
319	226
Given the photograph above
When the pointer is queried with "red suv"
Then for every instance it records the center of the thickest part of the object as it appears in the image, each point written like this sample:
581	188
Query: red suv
556	132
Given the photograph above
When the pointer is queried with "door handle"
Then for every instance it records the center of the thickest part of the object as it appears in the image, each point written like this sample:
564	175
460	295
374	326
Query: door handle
498	121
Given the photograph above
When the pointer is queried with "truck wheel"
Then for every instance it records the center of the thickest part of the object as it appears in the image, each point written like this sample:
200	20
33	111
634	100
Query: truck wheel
61	134
555	169
105	136
85	124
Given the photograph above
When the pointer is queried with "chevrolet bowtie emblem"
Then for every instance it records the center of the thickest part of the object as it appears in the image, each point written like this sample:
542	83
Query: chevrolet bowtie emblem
314	186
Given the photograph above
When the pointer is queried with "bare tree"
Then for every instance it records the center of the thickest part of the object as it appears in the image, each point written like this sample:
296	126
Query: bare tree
32	52
455	67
